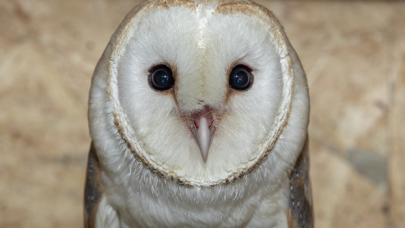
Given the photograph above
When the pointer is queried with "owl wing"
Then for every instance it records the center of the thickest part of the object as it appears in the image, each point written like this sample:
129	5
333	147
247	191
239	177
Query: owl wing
94	189
300	212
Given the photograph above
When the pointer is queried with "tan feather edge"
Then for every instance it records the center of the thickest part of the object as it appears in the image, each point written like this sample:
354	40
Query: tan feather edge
228	8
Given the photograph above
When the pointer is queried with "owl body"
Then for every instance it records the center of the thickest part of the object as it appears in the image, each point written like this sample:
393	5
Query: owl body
198	113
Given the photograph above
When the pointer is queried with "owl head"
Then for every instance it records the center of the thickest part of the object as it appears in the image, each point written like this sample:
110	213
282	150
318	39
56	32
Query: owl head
199	93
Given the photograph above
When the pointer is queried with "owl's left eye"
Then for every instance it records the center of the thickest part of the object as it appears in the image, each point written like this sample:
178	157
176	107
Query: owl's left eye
240	78
161	78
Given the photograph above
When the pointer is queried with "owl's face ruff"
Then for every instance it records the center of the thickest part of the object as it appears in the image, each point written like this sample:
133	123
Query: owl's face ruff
201	45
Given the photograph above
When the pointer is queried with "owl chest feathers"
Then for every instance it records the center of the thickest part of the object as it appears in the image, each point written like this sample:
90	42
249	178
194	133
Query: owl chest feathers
287	205
176	206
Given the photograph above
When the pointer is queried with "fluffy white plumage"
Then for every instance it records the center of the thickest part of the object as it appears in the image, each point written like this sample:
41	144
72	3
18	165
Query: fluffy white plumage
201	42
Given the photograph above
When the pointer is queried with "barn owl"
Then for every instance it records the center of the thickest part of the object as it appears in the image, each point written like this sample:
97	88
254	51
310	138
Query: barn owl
198	114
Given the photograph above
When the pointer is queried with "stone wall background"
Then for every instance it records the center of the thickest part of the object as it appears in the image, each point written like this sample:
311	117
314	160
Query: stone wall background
354	56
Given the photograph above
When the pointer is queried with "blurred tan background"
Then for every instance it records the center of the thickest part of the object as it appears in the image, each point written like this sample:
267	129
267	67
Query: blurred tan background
354	56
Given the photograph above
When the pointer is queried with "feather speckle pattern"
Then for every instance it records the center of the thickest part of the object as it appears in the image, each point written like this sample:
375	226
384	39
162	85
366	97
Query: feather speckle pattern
152	170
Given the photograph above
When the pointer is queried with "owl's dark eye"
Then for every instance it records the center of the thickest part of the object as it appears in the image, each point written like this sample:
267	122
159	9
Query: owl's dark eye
161	78
240	78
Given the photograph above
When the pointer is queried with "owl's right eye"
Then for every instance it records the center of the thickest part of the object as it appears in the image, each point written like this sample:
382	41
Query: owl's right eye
161	78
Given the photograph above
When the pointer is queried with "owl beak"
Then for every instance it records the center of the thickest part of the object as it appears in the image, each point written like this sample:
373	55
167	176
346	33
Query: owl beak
203	136
203	131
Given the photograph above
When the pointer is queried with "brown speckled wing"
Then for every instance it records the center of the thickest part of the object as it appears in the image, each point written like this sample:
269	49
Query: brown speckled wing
300	213
93	190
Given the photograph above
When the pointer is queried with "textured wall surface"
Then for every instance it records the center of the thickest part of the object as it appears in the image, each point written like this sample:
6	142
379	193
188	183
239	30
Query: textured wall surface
354	56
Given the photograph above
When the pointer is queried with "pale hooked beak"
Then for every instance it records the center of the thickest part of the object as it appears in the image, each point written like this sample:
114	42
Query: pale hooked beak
203	131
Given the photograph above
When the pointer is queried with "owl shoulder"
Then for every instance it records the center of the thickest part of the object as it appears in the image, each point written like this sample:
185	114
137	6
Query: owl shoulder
300	211
93	190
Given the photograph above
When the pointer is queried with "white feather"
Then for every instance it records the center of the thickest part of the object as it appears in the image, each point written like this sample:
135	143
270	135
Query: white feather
106	216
